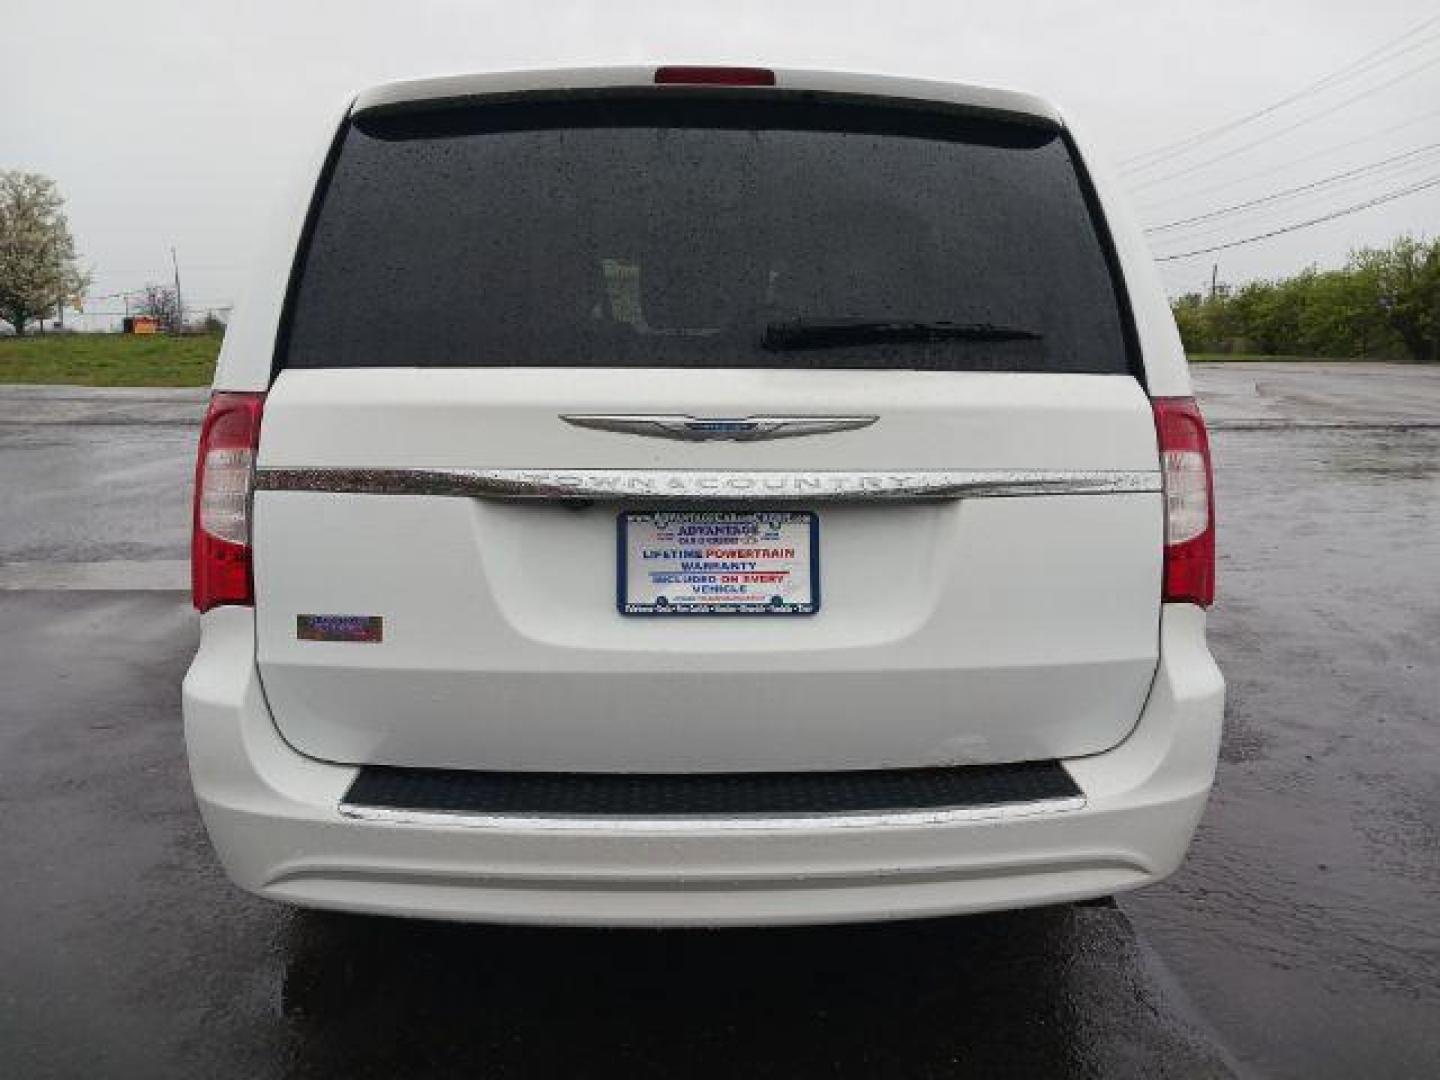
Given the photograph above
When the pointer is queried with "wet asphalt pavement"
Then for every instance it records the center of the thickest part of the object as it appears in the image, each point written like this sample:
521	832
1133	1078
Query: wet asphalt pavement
1302	937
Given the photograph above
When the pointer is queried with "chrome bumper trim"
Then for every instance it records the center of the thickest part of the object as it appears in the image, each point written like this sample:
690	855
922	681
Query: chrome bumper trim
661	485
900	819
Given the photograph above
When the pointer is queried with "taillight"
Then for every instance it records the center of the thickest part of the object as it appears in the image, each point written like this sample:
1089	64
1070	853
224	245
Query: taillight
224	474
1189	502
714	76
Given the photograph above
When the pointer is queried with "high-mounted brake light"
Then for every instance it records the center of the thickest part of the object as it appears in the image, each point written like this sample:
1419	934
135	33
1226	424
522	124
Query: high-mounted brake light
714	76
1189	502
220	571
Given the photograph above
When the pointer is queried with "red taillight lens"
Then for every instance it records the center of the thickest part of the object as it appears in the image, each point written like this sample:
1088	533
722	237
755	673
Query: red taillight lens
714	76
224	474
1189	502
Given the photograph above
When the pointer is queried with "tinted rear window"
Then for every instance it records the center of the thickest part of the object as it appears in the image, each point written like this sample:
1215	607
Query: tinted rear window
673	232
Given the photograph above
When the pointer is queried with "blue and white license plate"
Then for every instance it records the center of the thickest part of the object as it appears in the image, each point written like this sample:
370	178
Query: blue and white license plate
719	562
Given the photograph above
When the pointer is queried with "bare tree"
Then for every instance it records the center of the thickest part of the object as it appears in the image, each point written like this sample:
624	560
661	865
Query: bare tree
38	271
162	304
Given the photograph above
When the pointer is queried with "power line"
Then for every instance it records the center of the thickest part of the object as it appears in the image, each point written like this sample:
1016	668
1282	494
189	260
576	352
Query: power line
1348	71
125	292
1389	196
1277	214
89	313
1310	119
1288	192
1335	78
1291	162
1280	217
114	295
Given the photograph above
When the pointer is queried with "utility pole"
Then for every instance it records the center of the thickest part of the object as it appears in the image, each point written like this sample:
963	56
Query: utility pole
1214	279
179	303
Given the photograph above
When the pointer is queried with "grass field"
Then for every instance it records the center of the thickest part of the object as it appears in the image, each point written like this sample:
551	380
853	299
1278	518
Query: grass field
109	359
157	360
1223	358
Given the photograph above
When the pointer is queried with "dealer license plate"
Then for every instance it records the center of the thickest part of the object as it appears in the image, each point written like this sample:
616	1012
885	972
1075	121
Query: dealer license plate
704	562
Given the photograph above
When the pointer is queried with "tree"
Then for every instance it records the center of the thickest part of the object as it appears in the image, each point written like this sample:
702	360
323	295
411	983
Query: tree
1341	317
162	304
38	271
1405	282
1193	322
1384	302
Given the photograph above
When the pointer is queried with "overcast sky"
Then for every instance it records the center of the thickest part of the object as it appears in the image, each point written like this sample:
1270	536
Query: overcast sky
177	122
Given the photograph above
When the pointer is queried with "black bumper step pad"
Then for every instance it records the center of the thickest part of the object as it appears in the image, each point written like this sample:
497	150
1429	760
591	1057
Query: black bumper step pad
670	795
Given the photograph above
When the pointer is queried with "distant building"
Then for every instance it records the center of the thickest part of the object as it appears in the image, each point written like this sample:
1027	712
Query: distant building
141	324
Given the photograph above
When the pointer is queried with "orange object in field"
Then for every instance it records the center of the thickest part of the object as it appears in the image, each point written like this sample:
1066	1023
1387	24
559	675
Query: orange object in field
141	324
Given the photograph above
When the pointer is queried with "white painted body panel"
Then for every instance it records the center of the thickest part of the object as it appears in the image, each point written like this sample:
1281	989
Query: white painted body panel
274	816
471	85
977	640
510	418
983	630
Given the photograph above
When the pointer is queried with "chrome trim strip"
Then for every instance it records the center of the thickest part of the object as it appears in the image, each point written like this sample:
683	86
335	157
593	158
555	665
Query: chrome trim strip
897	819
717	429
662	485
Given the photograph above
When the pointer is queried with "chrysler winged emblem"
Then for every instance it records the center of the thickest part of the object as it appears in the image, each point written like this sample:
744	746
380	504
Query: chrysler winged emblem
717	429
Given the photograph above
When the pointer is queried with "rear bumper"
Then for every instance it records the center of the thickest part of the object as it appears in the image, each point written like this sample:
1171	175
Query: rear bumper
274	817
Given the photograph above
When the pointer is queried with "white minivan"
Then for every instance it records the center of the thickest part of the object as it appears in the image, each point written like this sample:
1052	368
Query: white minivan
702	496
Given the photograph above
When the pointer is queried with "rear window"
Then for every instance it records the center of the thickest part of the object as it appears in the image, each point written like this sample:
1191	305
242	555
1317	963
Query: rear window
691	232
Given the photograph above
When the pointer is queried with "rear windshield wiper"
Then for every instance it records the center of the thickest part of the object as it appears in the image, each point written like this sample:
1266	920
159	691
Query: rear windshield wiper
837	333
